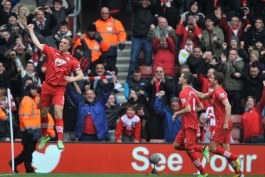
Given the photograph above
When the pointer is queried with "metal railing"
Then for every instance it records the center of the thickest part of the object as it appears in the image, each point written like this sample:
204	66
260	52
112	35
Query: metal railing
75	14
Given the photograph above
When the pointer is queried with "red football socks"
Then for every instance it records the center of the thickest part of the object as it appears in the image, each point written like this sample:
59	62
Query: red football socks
59	128
196	161
44	126
198	149
226	154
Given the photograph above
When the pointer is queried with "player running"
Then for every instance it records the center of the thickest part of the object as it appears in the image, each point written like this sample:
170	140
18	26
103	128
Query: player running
222	131
189	103
60	64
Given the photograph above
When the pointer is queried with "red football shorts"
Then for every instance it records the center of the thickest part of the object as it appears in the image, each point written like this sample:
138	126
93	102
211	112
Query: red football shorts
219	135
51	95
187	137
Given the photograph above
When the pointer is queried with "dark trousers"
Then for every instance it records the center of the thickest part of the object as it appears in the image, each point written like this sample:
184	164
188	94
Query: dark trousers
234	98
87	137
111	64
26	156
255	139
155	127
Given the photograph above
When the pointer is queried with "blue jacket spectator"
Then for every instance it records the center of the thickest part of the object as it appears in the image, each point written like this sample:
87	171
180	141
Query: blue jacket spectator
171	127
95	108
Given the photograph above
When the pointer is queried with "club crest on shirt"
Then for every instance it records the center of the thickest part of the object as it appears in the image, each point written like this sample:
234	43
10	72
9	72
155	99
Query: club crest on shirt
183	100
59	62
222	95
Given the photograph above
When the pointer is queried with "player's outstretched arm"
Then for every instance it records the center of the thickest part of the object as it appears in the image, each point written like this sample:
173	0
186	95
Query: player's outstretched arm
79	76
202	96
34	38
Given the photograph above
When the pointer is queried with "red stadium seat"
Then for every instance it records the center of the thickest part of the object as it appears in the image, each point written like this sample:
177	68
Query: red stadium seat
236	134
156	141
236	119
146	71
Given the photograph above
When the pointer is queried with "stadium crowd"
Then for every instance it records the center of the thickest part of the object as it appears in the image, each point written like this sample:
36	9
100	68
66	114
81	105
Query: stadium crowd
175	36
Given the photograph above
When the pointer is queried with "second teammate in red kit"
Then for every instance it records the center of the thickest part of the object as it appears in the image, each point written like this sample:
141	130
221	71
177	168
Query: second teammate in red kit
60	64
222	131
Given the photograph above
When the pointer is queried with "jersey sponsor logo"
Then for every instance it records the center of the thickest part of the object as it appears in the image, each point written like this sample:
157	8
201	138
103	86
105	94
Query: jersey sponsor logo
183	100
67	58
222	95
59	62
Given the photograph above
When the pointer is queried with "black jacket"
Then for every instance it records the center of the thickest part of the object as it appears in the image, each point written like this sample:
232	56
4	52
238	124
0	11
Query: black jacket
143	18
4	80
252	86
112	115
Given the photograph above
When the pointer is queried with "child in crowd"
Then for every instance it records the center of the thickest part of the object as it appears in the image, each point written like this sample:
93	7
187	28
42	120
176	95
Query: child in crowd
185	53
129	126
64	31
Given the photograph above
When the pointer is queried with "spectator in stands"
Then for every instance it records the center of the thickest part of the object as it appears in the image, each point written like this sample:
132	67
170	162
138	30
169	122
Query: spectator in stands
171	127
19	51
170	10
210	5
239	46
252	81
64	31
233	28
111	110
79	55
61	13
29	71
195	12
164	51
192	30
259	7
5	8
217	15
6	41
4	120
91	122
93	45
70	116
12	26
254	58
115	7
143	12
113	34
26	82
254	33
252	120
137	84
233	87
186	51
209	61
140	110
42	19
194	62
129	126
30	128
4	78
212	38
22	11
158	83
260	48
162	30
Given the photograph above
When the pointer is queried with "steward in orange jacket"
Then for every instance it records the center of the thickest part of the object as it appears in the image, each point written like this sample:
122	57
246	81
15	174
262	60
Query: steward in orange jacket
113	32
29	126
93	45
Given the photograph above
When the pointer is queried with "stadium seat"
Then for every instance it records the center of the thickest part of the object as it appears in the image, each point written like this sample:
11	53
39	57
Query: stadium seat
236	118
146	71
236	134
156	141
143	141
18	139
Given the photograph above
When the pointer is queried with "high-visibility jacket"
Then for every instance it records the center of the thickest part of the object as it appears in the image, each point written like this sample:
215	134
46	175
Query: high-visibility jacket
112	31
29	119
95	47
2	115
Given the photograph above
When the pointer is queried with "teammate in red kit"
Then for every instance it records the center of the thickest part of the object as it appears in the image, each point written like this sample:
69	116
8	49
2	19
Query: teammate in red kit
189	103
222	131
60	64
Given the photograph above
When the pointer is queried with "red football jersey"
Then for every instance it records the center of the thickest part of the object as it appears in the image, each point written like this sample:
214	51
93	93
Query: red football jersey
205	88
188	97
58	66
218	95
